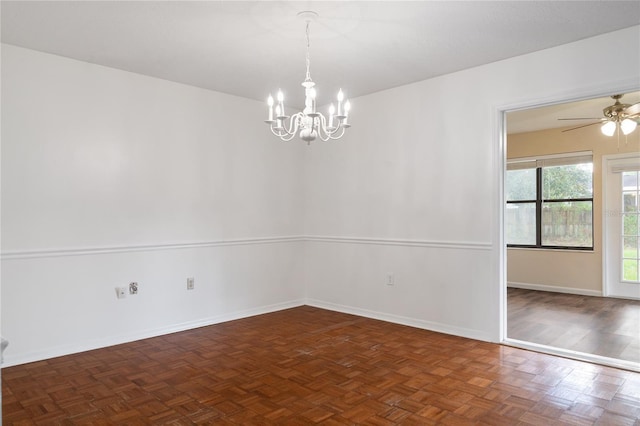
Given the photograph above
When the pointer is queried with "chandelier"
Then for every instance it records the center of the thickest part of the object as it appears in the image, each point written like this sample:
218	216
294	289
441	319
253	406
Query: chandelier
308	124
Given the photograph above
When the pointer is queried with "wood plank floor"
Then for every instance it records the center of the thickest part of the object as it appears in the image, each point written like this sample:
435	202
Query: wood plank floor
307	365
596	325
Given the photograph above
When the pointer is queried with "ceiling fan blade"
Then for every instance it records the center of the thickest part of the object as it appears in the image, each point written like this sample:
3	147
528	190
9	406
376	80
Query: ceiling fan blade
633	109
582	118
580	127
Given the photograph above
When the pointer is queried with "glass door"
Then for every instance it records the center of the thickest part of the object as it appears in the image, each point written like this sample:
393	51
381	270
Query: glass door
621	226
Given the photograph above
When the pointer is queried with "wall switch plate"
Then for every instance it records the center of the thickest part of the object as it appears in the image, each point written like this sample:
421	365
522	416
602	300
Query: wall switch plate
133	288
391	279
121	292
190	283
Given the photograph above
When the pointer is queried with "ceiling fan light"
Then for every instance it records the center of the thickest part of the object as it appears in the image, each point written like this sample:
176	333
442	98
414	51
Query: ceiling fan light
627	126
608	128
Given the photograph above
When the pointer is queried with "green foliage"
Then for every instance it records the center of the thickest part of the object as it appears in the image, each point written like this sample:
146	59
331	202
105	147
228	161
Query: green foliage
562	182
630	224
630	270
558	182
521	185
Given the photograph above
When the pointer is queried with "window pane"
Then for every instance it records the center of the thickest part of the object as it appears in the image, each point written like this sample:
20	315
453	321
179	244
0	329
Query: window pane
520	223
562	182
520	185
630	248
629	181
630	224
630	270
630	200
567	224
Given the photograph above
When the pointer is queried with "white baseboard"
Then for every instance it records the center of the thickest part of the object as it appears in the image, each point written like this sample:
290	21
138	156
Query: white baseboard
17	359
567	353
554	289
397	319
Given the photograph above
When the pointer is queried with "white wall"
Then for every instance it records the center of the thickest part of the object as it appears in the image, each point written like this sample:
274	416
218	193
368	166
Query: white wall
99	158
110	177
414	188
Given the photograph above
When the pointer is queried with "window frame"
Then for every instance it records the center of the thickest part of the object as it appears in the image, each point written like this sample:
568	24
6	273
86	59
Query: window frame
540	163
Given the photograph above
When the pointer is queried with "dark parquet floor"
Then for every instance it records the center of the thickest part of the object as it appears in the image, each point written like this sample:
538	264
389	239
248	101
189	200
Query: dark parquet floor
601	326
306	366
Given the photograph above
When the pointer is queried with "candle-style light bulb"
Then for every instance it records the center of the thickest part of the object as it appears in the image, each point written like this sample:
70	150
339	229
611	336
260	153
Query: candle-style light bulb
332	110
280	104
270	103
340	98
347	107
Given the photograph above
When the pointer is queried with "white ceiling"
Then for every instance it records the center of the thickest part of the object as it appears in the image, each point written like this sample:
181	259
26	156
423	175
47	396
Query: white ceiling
250	49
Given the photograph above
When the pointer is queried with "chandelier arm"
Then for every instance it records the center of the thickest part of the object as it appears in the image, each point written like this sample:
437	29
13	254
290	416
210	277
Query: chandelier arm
323	138
277	132
288	134
283	135
325	134
294	124
283	131
340	129
287	138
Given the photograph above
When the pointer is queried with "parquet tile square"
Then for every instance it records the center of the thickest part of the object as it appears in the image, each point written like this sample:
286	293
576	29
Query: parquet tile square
311	366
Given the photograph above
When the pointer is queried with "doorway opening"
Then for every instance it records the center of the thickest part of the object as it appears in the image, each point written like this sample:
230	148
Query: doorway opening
563	240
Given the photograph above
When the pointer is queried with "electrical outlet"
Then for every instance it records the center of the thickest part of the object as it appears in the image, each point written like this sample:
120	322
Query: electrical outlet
133	288
190	283
121	292
391	279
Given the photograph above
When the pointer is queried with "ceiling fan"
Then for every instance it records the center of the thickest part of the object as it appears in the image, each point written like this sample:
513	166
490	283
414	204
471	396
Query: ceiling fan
618	116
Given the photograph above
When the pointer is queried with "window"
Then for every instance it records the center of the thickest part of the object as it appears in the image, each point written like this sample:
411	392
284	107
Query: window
550	202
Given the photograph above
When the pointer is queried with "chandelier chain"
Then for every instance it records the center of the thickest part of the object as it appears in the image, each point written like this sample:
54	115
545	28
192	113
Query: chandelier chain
308	77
